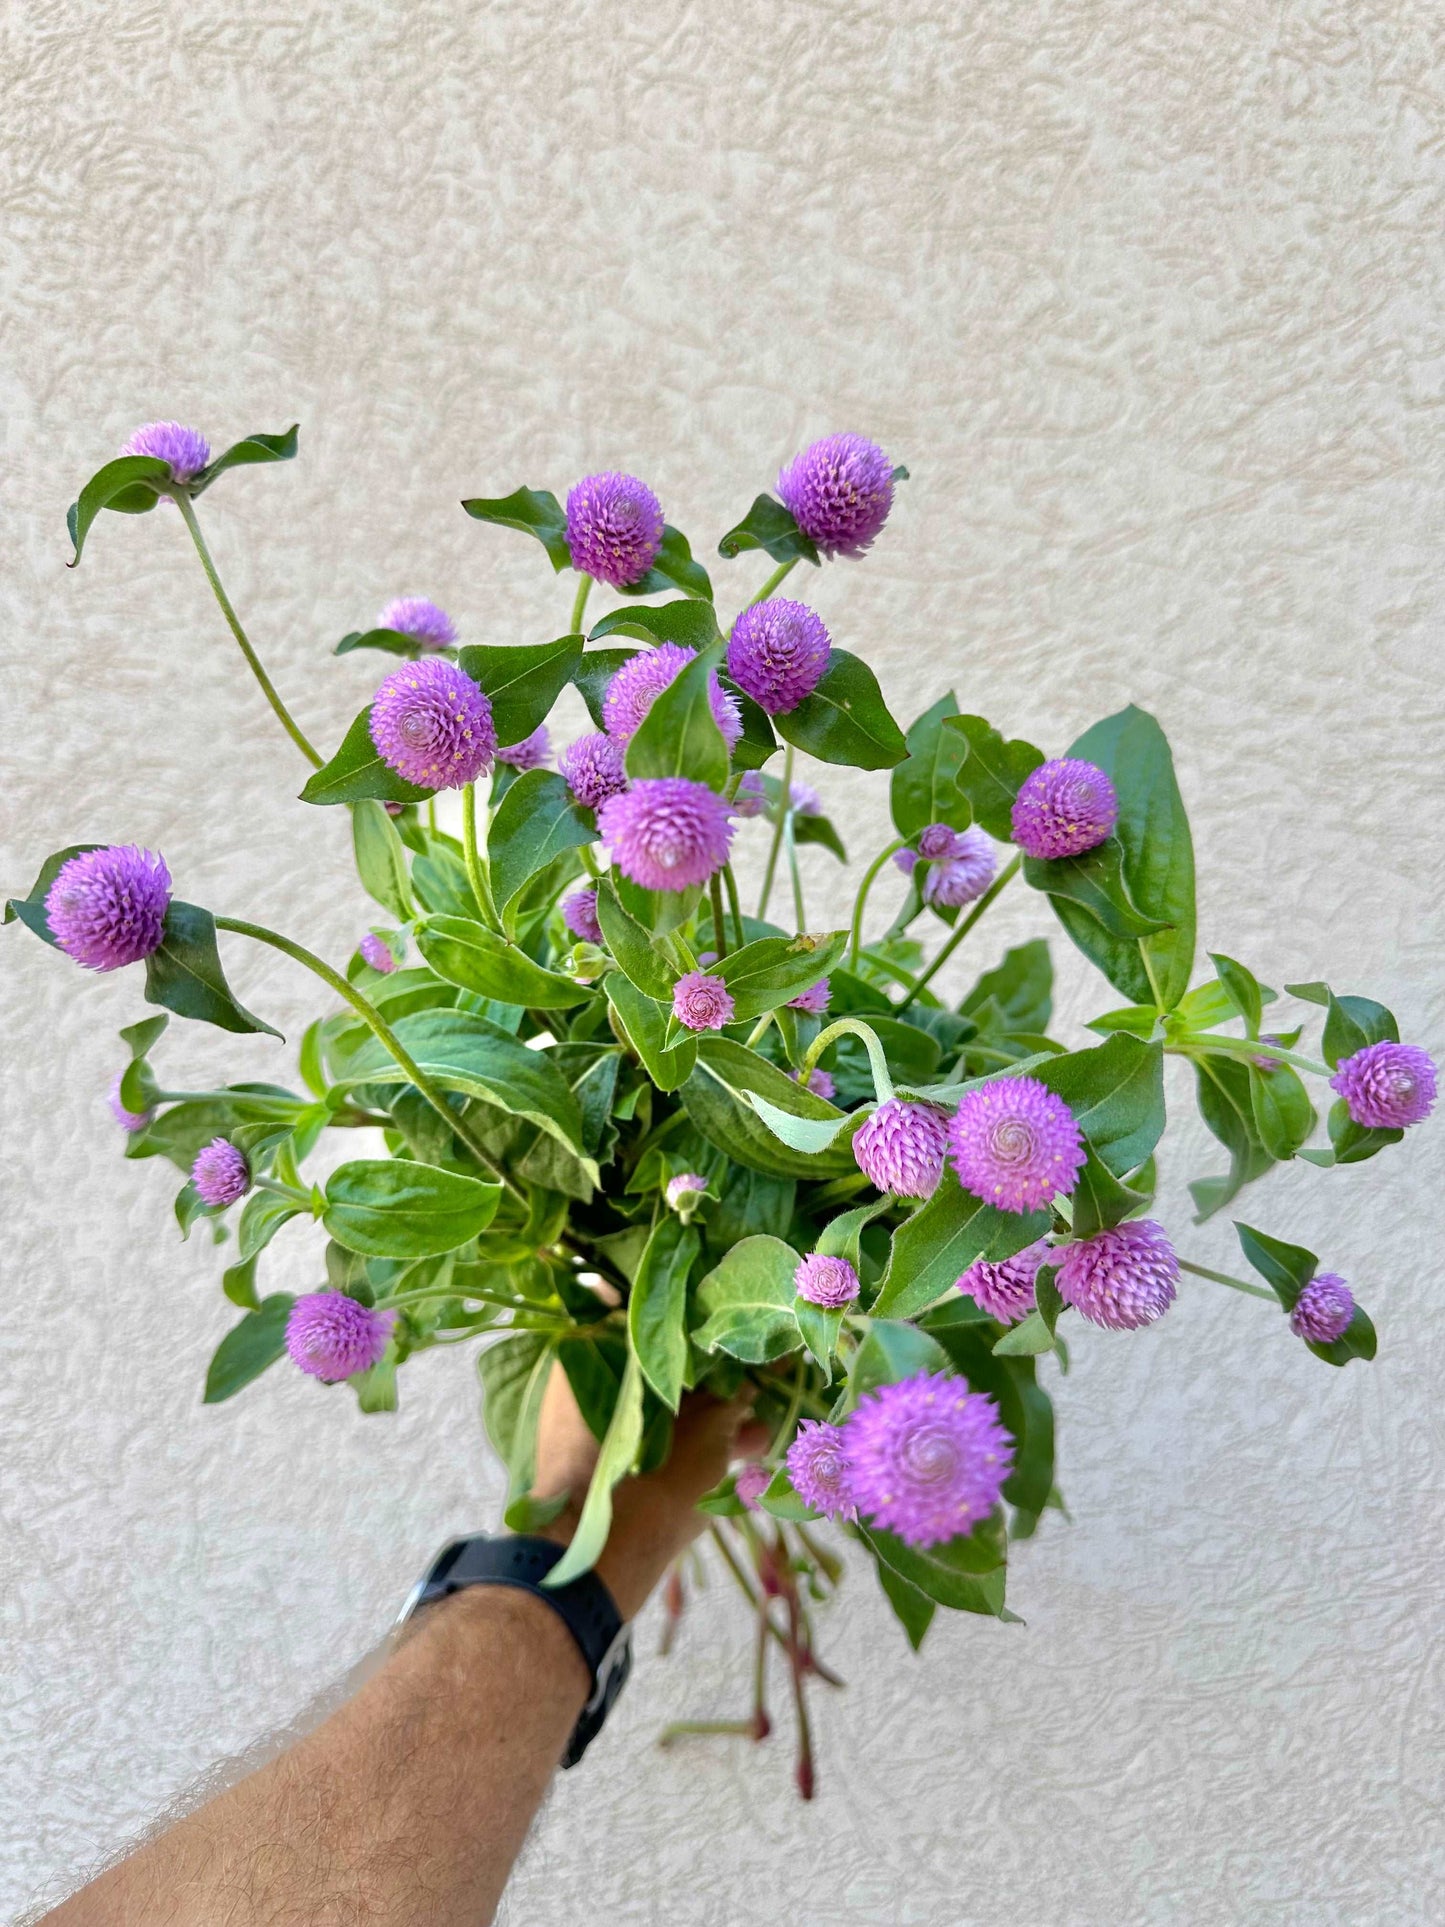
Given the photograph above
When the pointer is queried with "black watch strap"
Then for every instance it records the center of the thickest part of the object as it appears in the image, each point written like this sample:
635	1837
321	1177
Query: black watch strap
584	1605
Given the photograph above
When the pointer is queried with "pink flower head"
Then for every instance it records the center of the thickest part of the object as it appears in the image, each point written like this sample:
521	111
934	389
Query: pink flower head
1015	1144
686	1184
641	680
1387	1086
107	907
413	615
220	1173
332	1337
593	767
579	913
1006	1290
804	800
818	1081
813	1000
751	798
829	1282
839	492
433	725
928	1457
531	753
377	952
777	653
963	875
751	1482
818	1467
666	833
1121	1279
1323	1310
614	528
128	1120
938	841
900	1148
1064	808
186	449
906	860
702	1002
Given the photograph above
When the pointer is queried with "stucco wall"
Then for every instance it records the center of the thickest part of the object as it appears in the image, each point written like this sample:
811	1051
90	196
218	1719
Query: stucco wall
1150	300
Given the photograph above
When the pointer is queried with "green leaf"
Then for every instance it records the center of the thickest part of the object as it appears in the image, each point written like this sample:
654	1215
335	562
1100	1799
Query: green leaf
657	910
1285	1268
30	909
768	526
1352	1142
892	1351
126	484
845	719
818	1327
514	1374
991	772
656	1309
965	1574
932	1249
1100	1200
839	1237
1353	1023
1094	885
1026	1339
690	624
1283	1113
679	735
262	1217
810	1134
249	1347
251	449
913	1609
820	830
393	642
674	569
1116	1093
394	1208
185	974
381	859
747	1302
1357	1340
476	958
645	1023
1012	1382
1226	1104
356	772
636	954
522	682
594	672
924	788
614	1462
763	975
238	1281
375	1388
1137	1020
1241	987
1020	989
716	1099
535	821
536	511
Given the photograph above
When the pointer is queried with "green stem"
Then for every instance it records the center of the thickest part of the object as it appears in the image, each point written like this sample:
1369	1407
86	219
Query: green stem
1246	1048
863	889
779	575
755	1036
1149	973
385	1035
719	931
431	814
800	914
784	809
1000	882
850	1027
734	906
579	604
589	862
277	1189
268	688
1223	1278
795	1403
476	869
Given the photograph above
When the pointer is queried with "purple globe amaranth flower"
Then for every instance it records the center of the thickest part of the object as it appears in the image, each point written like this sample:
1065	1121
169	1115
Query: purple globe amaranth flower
1005	1290
1323	1310
1268	1065
666	833
1121	1279
751	1482
413	615
777	653
804	800
1386	1086
614	527
377	952
964	875
220	1173
814	1000
818	1081
829	1282
900	1148
531	753
186	449
332	1337
641	680
839	492
751	798
938	840
906	860
818	1466
702	1002
128	1120
433	725
1064	808
1015	1144
928	1457
107	907
593	768
579	913
685	1184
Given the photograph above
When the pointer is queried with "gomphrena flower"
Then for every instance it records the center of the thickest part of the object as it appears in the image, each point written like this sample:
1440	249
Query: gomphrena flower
818	1081
186	449
128	1120
751	1482
666	833
331	1336
107	907
433	725
1268	1065
531	753
1006	1290
928	1457
685	1184
752	798
377	952
777	653
1386	1086
938	840
579	913
642	679
906	860
900	1148
702	1002
413	615
814	1000
829	1282
1121	1279
593	767
220	1173
614	527
1323	1310
963	875
1064	808
804	800
839	492
818	1467
1015	1144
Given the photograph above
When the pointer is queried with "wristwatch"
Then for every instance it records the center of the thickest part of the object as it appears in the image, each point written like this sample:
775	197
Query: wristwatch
584	1605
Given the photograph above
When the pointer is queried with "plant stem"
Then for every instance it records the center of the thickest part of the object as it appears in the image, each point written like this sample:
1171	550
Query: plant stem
291	1192
734	906
385	1035
800	914
431	814
1153	980
268	688
784	809
1246	1048
795	1402
755	1036
584	589
1223	1278
476	869
719	933
1000	882
864	887
779	575
850	1027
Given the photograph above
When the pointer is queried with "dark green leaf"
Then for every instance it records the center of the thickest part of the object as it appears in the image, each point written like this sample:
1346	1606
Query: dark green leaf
691	624
655	1310
381	859
1285	1268
1020	988
818	1326
1100	1200
892	1351
1352	1142
30	909
238	1281
1094	885
476	958
715	1097
965	1574
674	569
251	449
536	511
1283	1113
924	788
770	972
262	1217
125	484
522	682
636	954
137	1086
1357	1340
845	720
537	819
514	1374
1227	1107
756	744
356	772
1353	1023
747	1302
594	672
1241	987
819	829
913	1609
185	975
932	1249
679	735
645	1023
1116	1093
393	642
768	526
991	771
249	1347
394	1208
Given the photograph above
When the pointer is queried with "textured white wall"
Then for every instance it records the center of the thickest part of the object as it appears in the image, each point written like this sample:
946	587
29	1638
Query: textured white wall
1150	300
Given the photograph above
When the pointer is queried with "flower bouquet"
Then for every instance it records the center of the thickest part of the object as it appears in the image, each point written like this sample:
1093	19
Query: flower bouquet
618	1125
